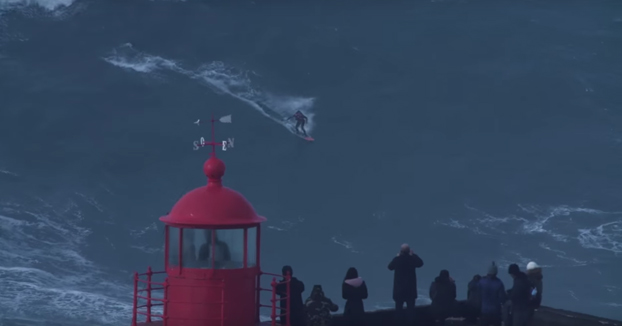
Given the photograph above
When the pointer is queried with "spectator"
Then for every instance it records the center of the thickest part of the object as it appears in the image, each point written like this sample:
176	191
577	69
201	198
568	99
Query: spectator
296	307
443	295
474	300
405	282
354	290
520	296
534	272
319	307
493	297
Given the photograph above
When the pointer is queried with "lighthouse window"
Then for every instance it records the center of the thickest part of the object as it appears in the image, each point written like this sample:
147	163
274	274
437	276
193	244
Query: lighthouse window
214	250
251	247
229	249
173	246
193	239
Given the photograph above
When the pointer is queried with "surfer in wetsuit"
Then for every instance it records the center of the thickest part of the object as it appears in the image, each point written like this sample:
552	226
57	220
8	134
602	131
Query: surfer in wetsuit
301	119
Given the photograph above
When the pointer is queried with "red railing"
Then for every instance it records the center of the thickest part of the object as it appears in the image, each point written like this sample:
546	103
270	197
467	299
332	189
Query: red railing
274	300
148	288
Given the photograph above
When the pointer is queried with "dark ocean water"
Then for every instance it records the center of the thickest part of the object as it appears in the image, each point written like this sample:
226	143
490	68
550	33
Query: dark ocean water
473	130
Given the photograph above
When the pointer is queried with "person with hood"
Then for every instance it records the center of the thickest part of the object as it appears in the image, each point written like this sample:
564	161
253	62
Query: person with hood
474	303
405	282
296	307
319	307
520	296
443	295
493	297
534	273
354	291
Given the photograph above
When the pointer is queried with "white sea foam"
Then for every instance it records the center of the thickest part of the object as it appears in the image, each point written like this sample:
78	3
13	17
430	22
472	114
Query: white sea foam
607	236
591	228
222	79
344	243
7	172
151	228
284	225
46	4
43	274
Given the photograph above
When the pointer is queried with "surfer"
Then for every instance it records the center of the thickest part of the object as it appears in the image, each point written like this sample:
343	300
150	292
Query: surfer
301	119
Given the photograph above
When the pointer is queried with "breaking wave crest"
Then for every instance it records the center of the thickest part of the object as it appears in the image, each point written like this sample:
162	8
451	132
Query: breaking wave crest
222	79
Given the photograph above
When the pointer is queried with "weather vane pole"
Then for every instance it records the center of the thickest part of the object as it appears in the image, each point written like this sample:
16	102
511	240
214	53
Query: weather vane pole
225	143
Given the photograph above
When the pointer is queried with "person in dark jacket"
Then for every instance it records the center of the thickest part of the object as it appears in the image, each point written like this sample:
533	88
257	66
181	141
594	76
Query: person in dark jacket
443	295
296	307
405	282
520	296
354	291
492	293
534	272
319	307
474	302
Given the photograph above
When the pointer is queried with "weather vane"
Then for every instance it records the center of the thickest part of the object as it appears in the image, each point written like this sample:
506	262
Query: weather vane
225	144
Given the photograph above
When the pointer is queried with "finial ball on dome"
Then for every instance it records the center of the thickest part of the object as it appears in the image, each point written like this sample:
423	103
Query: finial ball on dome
214	168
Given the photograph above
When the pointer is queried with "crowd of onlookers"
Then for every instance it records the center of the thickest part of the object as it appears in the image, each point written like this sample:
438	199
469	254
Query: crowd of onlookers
488	302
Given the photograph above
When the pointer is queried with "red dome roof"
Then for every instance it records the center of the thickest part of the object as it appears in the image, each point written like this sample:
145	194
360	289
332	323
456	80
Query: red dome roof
213	204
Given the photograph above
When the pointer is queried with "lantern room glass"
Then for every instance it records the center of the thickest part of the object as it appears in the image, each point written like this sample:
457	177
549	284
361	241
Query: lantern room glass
196	246
251	247
173	246
212	248
229	249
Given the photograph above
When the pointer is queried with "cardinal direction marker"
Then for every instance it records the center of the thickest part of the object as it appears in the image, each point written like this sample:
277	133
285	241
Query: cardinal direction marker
225	144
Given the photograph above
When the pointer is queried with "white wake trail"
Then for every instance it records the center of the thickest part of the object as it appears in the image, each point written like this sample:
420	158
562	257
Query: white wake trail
222	79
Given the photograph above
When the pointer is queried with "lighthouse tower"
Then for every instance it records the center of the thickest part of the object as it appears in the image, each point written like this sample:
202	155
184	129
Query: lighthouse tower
212	250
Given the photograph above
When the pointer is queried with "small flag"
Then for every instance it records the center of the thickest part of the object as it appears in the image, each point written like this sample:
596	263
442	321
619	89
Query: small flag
226	119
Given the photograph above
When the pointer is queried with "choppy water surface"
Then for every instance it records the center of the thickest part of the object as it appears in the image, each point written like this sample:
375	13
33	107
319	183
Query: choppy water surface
474	131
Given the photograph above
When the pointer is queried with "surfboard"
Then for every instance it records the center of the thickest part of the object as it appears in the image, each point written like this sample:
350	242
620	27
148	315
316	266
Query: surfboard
307	138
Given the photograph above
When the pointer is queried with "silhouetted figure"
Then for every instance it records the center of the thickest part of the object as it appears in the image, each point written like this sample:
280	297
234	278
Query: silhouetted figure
520	296
474	300
319	307
405	282
443	296
296	287
493	298
221	252
534	272
354	291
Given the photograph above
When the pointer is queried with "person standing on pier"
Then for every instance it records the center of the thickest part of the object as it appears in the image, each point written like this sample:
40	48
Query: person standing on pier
296	287
405	267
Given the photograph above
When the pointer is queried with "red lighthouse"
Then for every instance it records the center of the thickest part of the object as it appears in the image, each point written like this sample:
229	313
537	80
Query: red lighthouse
212	251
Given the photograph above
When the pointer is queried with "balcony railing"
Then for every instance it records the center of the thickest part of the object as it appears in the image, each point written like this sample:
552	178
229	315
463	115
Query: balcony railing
146	293
145	309
274	300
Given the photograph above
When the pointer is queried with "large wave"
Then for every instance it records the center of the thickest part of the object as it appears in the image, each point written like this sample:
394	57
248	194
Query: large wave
222	79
